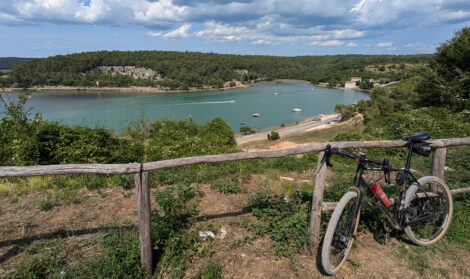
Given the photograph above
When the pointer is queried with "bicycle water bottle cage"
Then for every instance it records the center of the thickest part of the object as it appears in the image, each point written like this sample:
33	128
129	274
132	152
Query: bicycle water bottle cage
417	137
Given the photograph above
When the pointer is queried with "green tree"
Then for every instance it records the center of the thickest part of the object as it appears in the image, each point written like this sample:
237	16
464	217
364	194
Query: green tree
447	81
245	130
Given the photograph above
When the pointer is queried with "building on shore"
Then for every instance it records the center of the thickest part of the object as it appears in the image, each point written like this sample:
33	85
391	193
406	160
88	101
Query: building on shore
356	79
350	84
326	84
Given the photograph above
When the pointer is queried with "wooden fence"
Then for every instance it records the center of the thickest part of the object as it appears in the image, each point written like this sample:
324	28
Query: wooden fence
141	178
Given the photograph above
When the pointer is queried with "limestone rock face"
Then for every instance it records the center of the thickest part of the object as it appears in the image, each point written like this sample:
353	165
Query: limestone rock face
131	71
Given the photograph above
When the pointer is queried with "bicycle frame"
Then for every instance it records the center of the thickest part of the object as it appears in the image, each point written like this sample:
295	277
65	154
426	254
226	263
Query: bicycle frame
397	220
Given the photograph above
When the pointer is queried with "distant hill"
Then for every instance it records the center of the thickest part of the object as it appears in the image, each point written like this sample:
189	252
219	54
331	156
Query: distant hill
182	70
7	62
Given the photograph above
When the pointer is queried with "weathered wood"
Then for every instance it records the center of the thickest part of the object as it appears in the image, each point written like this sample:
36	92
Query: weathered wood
438	162
6	171
145	228
70	169
292	151
317	199
460	191
329	206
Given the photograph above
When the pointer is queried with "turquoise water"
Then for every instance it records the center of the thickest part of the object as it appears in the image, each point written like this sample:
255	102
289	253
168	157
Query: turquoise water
116	110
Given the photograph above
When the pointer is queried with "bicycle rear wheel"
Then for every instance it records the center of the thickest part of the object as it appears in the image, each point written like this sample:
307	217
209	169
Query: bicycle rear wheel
429	209
337	243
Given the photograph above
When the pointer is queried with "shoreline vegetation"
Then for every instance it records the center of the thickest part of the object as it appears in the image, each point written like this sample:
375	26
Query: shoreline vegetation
193	71
141	89
149	89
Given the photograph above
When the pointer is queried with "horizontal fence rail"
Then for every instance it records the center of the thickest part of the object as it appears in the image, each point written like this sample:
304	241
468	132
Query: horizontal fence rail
6	171
143	190
70	169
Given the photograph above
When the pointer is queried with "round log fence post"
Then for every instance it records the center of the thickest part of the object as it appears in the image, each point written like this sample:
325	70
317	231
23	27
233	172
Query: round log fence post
438	162
317	201
145	229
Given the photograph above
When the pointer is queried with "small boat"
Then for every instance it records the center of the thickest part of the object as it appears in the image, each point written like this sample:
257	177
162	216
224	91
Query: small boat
256	114
243	123
275	93
231	101
312	89
296	109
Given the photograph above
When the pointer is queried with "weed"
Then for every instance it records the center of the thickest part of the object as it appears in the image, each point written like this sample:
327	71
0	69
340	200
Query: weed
226	186
354	263
210	270
101	193
46	204
126	194
284	221
126	181
240	242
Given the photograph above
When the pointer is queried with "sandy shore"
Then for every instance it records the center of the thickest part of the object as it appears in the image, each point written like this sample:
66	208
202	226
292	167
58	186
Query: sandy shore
140	89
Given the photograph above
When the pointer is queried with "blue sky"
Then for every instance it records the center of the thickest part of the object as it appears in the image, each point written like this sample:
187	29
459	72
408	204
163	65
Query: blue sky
41	28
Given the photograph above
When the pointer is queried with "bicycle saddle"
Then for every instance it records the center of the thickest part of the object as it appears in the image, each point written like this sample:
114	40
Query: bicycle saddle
416	137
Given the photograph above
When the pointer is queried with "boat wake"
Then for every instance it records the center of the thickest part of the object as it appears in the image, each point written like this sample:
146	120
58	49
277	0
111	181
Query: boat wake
199	103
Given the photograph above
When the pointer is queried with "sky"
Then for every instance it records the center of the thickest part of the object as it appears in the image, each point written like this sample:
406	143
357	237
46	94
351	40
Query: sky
42	28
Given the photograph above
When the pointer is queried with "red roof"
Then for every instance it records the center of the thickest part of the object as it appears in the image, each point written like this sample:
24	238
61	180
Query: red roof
350	81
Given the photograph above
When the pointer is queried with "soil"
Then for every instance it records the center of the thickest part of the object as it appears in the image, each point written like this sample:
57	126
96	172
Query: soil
22	222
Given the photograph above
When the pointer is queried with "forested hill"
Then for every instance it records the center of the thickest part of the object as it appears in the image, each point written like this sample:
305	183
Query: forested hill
7	62
181	70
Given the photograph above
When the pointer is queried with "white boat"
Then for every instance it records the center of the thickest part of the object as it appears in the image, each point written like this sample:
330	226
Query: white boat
312	89
275	93
256	114
296	109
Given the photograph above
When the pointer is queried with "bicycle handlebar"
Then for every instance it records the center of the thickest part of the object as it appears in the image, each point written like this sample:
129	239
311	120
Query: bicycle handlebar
360	157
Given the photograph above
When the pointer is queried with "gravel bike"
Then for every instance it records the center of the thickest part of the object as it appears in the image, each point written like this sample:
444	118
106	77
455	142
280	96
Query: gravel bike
423	211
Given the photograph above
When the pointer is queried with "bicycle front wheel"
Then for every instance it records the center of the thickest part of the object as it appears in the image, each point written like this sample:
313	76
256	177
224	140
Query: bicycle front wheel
428	210
338	241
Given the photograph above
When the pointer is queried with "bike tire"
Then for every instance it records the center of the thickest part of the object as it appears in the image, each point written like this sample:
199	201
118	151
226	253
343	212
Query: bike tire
433	196
332	245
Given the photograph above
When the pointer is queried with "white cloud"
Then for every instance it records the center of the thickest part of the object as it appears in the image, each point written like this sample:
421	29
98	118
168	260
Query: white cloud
154	34
351	44
158	11
264	42
384	44
273	21
181	32
327	43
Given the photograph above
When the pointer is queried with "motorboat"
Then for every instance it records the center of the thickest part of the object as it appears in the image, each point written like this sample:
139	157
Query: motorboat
275	93
296	109
243	123
256	114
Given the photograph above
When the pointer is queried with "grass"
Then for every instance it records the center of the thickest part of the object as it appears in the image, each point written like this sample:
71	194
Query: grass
281	213
210	270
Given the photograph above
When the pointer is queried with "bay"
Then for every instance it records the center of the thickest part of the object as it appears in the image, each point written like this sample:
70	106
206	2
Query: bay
116	110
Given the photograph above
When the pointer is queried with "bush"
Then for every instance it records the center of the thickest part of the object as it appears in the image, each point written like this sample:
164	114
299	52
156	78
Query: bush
245	130
273	135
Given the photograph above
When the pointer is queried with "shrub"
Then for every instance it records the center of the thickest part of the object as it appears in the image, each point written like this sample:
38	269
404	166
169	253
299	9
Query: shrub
245	130
273	135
